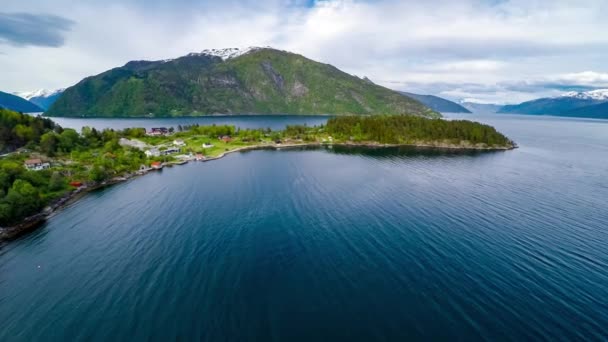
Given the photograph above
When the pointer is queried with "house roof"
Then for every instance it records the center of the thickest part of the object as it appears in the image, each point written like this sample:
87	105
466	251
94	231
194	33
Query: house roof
33	161
155	163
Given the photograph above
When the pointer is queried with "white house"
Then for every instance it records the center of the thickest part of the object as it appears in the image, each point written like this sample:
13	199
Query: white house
207	145
179	142
36	164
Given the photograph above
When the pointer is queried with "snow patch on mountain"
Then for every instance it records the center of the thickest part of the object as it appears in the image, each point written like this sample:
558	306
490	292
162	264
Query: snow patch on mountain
599	94
28	95
227	53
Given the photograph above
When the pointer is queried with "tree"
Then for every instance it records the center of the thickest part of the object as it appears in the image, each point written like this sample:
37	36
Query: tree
68	140
49	143
57	182
23	198
98	173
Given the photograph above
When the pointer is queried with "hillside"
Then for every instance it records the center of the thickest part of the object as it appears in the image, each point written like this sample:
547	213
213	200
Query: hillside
13	102
437	103
256	81
598	111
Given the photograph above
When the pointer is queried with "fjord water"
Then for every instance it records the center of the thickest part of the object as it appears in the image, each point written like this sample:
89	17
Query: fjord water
275	122
332	244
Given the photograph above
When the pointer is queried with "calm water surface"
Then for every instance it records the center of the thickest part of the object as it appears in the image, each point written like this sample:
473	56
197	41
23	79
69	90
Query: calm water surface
332	244
275	122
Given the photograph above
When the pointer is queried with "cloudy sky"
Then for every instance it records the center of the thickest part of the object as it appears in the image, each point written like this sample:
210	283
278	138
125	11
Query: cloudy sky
502	51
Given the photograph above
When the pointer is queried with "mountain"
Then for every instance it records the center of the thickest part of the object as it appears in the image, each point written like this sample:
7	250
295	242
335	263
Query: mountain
561	105
598	111
229	81
15	103
42	98
482	108
438	104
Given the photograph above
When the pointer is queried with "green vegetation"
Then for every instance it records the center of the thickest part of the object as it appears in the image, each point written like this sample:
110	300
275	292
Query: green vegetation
264	81
413	130
94	158
18	129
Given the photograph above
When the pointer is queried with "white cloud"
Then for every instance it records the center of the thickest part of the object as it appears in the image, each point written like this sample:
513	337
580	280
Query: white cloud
587	78
504	51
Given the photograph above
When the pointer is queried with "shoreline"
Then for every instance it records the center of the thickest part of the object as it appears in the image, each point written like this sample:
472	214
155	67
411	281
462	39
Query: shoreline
33	222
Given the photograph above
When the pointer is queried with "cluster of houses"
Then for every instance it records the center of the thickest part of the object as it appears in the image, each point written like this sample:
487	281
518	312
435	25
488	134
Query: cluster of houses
156	152
175	148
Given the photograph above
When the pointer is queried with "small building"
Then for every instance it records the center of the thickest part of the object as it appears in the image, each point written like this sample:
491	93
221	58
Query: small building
226	138
156	165
158	131
179	142
207	145
200	157
36	164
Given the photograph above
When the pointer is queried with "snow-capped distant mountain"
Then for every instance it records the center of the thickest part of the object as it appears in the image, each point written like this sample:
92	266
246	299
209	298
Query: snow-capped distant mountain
598	94
578	104
42	97
38	93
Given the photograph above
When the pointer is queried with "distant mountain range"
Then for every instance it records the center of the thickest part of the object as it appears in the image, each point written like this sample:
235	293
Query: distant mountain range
575	104
481	108
42	98
230	81
18	104
438	104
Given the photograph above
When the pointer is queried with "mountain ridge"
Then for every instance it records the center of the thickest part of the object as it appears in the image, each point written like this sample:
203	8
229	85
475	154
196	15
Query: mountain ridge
256	81
563	105
437	103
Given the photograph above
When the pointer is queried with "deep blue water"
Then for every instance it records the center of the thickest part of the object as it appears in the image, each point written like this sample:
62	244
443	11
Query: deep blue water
332	244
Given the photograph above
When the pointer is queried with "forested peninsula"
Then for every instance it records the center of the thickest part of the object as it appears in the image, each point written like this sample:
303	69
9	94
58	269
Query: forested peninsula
44	166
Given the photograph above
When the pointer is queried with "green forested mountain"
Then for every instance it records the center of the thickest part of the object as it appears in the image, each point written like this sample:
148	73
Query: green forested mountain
261	81
14	102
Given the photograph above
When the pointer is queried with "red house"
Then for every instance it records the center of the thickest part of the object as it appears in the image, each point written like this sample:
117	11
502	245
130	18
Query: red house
156	165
